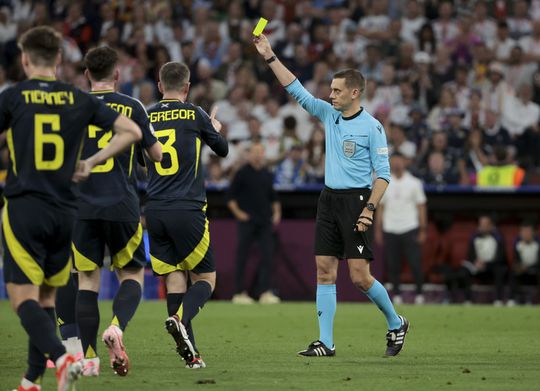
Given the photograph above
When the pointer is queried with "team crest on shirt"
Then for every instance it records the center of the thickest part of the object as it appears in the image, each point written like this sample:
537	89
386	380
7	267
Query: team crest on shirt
349	148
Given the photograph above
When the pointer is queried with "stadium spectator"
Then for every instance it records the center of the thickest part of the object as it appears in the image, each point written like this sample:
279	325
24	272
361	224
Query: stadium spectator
412	22
436	173
401	226
520	112
398	143
503	43
292	170
502	173
483	25
476	154
531	43
253	202
445	27
525	263
519	71
486	259
520	22
315	154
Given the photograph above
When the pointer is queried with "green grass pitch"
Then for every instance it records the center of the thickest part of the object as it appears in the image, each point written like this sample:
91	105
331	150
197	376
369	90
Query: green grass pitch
253	348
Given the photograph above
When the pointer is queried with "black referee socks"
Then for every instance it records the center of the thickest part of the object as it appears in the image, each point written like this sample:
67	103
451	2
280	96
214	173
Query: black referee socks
88	320
125	302
41	329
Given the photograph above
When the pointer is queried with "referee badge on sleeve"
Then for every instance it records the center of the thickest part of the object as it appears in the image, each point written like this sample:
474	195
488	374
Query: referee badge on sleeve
349	148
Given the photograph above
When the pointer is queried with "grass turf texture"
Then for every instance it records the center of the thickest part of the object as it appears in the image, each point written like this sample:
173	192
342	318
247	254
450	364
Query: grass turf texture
253	348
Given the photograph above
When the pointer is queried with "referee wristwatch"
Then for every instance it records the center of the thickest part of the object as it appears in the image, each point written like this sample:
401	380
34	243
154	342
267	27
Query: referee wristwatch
370	207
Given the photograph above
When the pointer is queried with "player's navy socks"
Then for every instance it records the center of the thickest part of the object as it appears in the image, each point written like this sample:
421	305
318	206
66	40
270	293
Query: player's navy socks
194	299
40	329
378	294
88	320
37	362
66	300
125	302
326	310
174	301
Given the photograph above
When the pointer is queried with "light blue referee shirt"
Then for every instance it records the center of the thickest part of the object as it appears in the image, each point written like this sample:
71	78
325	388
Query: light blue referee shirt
355	147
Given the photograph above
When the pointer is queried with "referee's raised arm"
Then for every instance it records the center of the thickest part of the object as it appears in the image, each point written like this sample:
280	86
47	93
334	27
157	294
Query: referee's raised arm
284	76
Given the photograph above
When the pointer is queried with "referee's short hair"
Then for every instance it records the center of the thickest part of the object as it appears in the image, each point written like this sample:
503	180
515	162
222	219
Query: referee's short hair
101	62
42	44
353	79
173	76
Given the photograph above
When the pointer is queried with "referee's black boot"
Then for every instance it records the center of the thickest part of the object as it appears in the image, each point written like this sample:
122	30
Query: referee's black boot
318	349
396	338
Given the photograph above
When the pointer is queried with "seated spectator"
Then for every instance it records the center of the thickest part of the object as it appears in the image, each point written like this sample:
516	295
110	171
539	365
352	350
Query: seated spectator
486	259
292	170
388	90
289	136
476	154
531	44
426	41
503	43
501	173
412	21
437	174
315	149
453	169
457	134
518	70
528	148
494	134
520	112
398	143
371	101
215	177
400	112
445	27
438	115
483	25
496	91
520	22
525	263
418	131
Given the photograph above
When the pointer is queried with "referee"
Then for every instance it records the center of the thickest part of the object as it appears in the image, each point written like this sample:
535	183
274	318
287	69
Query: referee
355	147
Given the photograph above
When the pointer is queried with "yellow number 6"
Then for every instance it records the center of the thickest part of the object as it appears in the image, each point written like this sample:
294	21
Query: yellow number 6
41	138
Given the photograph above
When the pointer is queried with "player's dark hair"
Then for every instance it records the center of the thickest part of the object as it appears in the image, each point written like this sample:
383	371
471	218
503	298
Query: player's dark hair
42	44
174	76
529	223
353	79
101	62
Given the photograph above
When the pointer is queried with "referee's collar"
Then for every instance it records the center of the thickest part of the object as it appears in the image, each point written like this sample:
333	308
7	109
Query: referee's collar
354	115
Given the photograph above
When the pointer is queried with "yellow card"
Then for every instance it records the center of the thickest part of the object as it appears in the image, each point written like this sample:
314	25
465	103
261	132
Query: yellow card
260	27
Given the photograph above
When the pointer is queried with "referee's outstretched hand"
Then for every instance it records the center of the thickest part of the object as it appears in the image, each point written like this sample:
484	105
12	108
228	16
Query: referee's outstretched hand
217	125
263	46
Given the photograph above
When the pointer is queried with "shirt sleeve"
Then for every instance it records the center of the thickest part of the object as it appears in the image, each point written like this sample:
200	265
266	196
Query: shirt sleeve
4	112
210	136
102	115
378	150
141	119
234	188
317	107
420	195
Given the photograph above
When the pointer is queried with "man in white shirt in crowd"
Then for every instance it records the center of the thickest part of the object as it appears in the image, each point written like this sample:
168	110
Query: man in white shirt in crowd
401	223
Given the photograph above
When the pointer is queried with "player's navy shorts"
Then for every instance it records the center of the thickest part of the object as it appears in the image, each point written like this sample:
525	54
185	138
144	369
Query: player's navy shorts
337	214
37	242
179	240
123	239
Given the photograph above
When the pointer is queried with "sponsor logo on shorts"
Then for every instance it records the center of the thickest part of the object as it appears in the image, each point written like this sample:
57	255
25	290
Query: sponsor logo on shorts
360	248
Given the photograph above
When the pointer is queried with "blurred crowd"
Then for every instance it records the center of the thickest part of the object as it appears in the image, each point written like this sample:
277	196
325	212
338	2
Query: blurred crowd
456	84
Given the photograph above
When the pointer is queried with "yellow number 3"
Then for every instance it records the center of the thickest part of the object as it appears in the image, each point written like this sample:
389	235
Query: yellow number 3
168	148
41	138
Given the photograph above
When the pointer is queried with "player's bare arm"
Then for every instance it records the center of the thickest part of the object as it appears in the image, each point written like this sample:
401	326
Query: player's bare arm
126	131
